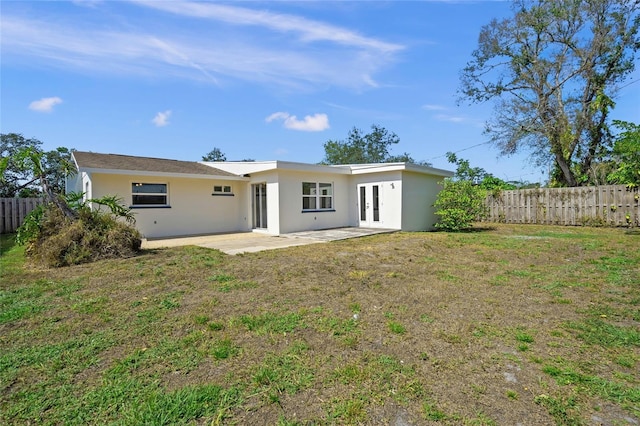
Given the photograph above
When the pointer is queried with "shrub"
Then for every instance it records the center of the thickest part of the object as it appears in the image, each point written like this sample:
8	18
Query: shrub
459	204
57	240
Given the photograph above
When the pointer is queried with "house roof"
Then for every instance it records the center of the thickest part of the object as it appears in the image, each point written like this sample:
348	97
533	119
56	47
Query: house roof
112	162
242	168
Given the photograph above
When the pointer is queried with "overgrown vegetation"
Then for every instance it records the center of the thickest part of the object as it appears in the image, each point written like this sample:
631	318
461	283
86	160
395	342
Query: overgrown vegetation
519	324
55	240
461	202
66	230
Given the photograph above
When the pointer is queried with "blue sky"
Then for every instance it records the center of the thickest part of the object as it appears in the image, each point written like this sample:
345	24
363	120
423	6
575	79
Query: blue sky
260	80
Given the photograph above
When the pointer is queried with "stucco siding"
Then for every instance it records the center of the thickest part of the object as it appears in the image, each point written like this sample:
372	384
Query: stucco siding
193	210
419	192
390	187
292	217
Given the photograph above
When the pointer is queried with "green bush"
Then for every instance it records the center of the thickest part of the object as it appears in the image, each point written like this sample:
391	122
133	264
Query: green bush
459	204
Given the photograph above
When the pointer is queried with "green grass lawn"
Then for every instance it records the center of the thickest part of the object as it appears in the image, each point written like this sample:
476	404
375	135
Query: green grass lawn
514	324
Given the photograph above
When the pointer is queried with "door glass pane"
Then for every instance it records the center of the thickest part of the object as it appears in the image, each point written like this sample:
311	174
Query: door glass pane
263	204
256	206
363	205
376	204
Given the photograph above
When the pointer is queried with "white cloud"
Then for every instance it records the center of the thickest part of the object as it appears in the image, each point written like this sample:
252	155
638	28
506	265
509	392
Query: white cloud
310	123
162	118
339	56
308	30
45	104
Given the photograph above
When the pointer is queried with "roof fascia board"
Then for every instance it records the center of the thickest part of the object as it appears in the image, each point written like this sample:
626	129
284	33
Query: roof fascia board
358	169
161	174
254	167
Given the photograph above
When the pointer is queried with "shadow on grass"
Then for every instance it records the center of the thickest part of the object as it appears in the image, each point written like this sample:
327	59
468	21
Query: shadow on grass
7	242
473	230
635	231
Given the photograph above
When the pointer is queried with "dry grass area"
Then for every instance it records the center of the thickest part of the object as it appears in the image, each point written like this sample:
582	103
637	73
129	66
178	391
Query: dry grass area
513	325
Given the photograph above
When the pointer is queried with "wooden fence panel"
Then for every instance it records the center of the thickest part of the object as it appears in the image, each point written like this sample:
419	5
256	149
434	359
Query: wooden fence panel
14	210
613	205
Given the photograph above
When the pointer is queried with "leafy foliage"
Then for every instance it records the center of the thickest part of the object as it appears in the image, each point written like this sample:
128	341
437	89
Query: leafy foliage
461	201
215	154
459	204
362	148
626	154
553	69
68	231
18	178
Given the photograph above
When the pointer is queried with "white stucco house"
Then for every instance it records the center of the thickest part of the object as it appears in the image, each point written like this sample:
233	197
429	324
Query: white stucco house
178	198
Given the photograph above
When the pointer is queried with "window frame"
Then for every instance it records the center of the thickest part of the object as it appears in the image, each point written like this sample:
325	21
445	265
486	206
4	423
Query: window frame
165	194
223	190
316	198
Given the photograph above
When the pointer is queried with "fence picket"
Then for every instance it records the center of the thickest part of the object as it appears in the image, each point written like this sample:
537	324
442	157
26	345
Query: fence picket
614	205
14	210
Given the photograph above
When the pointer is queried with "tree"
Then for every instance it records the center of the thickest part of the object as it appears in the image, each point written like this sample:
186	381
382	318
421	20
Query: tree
215	155
362	148
31	161
462	198
626	155
20	181
477	175
553	70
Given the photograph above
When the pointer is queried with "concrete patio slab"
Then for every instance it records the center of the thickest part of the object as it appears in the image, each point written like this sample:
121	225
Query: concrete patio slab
248	242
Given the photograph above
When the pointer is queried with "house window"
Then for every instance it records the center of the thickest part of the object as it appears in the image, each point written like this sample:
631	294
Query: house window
317	196
148	194
222	190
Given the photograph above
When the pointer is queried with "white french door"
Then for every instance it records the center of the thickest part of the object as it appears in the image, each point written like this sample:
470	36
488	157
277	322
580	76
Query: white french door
369	201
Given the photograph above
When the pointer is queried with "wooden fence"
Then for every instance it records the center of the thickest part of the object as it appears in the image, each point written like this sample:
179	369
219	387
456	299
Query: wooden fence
614	205
14	210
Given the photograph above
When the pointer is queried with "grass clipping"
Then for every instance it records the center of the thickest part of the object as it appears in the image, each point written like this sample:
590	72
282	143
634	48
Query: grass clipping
93	236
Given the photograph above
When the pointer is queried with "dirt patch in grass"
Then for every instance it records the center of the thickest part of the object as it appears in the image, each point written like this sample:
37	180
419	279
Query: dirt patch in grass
513	325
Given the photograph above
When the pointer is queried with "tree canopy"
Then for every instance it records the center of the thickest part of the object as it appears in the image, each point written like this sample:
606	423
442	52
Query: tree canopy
626	155
361	148
215	154
553	70
19	180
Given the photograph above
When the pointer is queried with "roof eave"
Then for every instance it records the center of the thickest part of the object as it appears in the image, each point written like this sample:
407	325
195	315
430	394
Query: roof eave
160	174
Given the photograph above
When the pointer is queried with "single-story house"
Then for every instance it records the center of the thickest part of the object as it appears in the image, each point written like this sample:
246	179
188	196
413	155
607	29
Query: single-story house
177	198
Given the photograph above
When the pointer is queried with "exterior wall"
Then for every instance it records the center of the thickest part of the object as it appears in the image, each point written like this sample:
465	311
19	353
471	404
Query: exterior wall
391	194
193	209
419	192
273	214
293	219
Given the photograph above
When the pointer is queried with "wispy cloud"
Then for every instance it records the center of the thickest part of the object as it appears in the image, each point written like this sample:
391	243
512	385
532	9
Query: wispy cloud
162	118
310	123
45	104
449	118
184	48
308	30
442	113
432	107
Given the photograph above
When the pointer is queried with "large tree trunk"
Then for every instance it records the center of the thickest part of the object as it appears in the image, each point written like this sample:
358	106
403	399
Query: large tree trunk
58	200
569	178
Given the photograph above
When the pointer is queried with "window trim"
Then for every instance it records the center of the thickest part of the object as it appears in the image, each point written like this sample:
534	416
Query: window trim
222	191
317	197
166	205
